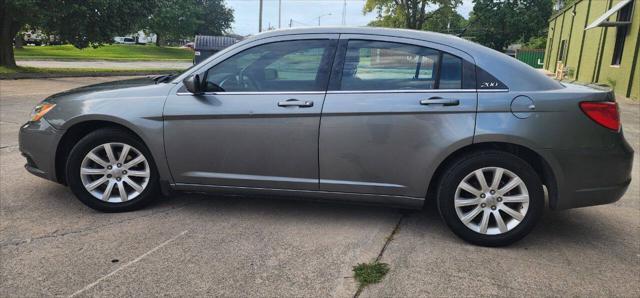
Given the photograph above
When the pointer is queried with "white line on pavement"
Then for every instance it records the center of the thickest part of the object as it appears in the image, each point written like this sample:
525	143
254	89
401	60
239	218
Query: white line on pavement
91	285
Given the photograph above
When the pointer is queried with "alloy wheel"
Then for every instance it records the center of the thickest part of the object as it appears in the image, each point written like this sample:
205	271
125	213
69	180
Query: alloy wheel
115	172
491	200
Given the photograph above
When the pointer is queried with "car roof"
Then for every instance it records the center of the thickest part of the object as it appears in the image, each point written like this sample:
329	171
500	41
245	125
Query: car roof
500	65
407	33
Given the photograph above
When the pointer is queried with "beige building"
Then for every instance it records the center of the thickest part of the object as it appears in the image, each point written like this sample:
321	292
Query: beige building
597	41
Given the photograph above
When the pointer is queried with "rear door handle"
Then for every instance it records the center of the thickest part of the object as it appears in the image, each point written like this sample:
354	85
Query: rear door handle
440	101
296	103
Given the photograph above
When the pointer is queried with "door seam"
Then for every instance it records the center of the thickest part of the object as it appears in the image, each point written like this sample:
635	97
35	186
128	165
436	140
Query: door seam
324	99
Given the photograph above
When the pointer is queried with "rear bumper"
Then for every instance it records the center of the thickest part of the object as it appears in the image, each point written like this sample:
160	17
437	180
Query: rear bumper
591	177
38	143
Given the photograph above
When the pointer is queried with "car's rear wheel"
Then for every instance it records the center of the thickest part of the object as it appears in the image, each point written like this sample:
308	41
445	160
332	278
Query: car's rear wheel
491	198
112	171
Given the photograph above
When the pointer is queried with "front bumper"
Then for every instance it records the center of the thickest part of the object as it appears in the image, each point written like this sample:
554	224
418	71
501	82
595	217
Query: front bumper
38	142
591	177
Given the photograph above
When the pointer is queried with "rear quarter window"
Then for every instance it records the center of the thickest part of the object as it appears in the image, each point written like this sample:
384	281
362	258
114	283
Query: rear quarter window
486	80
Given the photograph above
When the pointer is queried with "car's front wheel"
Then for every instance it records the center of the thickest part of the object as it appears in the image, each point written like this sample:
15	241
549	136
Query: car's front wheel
112	171
491	198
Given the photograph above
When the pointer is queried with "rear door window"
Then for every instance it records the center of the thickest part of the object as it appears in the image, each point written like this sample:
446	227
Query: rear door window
376	65
451	72
379	65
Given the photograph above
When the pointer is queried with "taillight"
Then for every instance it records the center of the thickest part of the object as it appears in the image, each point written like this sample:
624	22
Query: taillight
604	113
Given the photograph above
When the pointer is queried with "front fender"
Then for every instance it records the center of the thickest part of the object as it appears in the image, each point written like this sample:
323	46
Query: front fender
140	111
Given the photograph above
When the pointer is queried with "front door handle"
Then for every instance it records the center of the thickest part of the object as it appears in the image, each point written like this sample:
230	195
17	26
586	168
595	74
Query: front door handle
440	101
296	103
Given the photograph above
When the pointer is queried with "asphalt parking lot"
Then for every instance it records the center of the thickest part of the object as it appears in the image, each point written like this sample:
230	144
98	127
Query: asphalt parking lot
195	245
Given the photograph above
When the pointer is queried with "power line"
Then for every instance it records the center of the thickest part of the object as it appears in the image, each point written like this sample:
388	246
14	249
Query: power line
291	21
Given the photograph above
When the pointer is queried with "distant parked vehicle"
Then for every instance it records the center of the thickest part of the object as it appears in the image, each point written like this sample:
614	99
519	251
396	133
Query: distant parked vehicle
392	117
124	40
189	45
35	38
139	37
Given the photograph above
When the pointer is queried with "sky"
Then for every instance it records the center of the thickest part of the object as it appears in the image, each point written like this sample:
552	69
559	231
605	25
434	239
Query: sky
305	13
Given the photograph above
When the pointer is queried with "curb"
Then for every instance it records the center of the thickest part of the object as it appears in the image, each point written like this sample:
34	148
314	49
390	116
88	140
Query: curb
18	76
67	59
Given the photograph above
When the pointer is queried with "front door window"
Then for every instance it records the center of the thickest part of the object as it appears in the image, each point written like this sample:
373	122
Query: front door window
279	66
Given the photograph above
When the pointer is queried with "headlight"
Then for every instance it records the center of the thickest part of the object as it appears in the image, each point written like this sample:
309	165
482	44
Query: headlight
40	110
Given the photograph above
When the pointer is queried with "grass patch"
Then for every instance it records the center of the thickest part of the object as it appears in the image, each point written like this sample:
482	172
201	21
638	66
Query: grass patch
370	273
7	70
106	52
34	72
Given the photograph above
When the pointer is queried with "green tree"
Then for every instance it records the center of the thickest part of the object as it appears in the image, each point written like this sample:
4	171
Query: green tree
177	19
81	23
538	42
446	20
497	24
217	18
563	3
411	14
174	19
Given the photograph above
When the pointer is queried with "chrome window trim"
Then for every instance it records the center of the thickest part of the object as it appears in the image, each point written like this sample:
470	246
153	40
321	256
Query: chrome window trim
255	93
492	90
347	92
401	91
416	91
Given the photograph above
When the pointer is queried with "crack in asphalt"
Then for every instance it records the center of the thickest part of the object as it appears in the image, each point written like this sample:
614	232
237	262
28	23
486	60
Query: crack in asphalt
89	229
394	232
9	122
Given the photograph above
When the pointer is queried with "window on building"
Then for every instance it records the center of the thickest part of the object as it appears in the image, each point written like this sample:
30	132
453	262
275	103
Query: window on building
624	15
562	51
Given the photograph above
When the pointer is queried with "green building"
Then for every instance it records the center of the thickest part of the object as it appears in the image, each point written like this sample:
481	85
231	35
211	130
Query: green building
597	41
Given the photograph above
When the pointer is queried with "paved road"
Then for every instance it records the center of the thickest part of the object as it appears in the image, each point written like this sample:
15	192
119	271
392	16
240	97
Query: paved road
107	64
190	245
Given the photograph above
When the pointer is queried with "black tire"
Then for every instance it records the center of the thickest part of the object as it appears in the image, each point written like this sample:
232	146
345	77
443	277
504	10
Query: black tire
94	139
460	168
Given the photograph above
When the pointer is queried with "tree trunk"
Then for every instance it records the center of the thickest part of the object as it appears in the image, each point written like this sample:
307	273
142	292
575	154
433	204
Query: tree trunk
158	41
7	33
421	15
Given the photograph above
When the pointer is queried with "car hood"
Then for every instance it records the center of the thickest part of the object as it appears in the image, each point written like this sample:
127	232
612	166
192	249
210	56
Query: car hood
140	97
110	89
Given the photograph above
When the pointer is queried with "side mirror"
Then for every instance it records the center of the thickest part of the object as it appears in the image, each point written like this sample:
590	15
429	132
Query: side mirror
193	84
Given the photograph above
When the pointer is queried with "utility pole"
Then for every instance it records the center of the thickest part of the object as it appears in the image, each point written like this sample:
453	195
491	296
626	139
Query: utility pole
279	14
344	13
260	18
320	16
290	23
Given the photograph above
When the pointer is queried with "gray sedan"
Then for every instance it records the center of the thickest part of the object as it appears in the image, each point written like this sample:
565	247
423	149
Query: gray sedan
368	115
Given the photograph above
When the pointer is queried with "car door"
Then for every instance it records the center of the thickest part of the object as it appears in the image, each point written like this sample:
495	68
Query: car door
257	123
393	110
